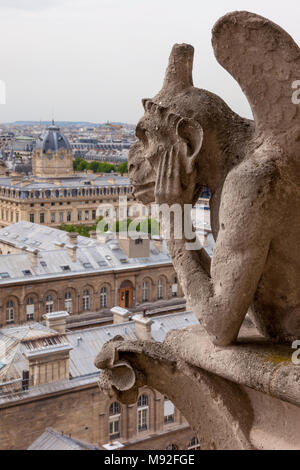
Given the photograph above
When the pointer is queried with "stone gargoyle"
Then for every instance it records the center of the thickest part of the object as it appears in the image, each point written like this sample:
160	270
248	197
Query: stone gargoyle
189	139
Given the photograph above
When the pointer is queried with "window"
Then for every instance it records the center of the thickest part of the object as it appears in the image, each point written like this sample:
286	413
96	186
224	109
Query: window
52	217
31	218
61	216
4	275
27	272
143	413
69	216
160	287
42	218
30	309
79	215
68	302
93	214
86	215
169	416
115	420
194	444
49	304
103	297
87	266
86	300
175	287
66	268
145	291
139	241
10	309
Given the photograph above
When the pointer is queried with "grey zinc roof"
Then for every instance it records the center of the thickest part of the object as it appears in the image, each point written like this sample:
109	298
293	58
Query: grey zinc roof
87	343
53	440
65	183
94	257
38	236
53	140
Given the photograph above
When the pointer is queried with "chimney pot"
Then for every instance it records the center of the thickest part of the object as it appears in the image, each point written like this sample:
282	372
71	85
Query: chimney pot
143	327
120	315
56	321
73	238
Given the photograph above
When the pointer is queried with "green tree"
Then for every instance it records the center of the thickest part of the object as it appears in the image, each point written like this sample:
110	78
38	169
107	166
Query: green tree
123	168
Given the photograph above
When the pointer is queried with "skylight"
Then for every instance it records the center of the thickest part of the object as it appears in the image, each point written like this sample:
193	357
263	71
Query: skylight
66	268
27	272
87	265
4	275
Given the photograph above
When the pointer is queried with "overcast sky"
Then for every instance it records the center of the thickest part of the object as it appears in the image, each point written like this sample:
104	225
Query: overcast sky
94	60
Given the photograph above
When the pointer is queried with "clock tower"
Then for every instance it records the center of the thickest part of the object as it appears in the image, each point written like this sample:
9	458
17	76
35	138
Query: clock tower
53	155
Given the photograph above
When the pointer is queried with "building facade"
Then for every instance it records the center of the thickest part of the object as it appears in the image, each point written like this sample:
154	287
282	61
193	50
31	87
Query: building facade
43	270
54	195
48	379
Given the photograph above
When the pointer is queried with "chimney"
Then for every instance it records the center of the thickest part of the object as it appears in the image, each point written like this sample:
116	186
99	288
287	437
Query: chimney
33	256
120	315
73	238
93	235
56	321
143	327
59	245
72	251
158	242
105	237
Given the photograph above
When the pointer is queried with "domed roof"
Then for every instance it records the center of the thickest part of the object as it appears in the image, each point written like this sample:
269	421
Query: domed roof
53	140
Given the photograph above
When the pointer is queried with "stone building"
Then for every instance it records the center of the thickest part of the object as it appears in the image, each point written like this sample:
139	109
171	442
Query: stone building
54	195
48	379
43	270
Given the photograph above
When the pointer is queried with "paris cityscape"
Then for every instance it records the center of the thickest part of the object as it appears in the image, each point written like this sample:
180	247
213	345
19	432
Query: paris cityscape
149	242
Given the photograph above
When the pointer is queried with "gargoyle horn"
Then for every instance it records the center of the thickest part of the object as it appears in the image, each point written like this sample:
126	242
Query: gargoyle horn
179	73
265	61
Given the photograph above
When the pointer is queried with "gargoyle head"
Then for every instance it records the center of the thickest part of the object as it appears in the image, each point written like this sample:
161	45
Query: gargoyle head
179	115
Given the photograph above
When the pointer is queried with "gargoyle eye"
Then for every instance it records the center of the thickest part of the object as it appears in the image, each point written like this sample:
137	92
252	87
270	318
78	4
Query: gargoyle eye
140	132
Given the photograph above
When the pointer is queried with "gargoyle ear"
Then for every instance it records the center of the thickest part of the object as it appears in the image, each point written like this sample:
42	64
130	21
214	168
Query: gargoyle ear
190	131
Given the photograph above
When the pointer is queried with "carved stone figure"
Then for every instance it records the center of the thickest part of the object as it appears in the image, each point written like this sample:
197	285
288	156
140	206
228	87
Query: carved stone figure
189	138
245	395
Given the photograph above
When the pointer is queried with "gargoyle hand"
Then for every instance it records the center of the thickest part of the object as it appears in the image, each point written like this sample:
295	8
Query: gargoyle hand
174	184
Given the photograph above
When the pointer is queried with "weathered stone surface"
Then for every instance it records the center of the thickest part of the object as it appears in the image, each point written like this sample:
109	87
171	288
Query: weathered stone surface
232	389
189	138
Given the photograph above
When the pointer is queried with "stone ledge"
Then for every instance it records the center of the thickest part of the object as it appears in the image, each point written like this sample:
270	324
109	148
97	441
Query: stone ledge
252	362
244	396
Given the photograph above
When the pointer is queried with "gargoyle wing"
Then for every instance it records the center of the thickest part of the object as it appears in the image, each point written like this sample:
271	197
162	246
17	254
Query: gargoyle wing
265	61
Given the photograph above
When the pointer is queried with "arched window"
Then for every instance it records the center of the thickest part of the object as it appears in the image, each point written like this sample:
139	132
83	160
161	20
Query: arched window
49	303
160	289
115	420
86	300
68	302
145	291
194	444
10	310
103	297
169	411
143	414
30	309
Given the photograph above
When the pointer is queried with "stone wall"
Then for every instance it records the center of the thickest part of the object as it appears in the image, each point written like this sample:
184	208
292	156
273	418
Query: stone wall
85	415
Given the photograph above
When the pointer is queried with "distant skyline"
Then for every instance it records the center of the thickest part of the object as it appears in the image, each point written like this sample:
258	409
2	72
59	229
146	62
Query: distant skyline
94	60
